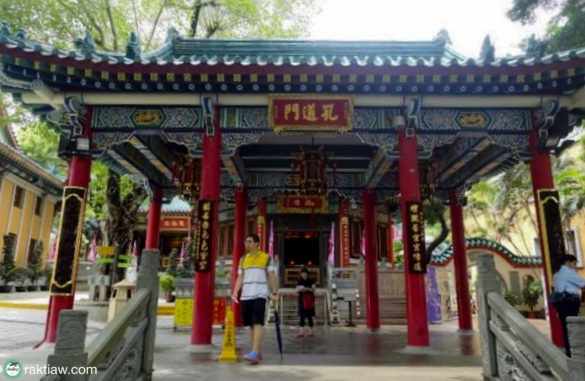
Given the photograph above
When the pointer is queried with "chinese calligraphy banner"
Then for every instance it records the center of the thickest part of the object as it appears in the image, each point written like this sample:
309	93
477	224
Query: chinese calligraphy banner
553	242
68	242
302	204
416	237
203	245
327	113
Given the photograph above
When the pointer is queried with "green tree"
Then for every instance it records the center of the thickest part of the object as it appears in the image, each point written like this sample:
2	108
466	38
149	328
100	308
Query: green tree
566	29
39	142
7	266
58	22
34	262
172	268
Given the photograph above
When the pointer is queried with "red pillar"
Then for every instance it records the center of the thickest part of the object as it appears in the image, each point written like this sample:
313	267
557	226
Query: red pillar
542	178
261	224
372	299
79	175
239	237
416	300
204	281
153	223
460	261
390	240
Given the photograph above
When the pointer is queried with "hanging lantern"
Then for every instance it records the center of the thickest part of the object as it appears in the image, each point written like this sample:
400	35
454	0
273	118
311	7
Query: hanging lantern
189	179
311	169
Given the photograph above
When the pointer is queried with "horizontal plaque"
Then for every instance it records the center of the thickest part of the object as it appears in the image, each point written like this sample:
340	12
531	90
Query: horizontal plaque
310	113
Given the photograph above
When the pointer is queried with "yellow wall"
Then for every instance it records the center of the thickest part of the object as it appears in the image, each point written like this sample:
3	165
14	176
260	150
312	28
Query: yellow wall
24	229
22	221
6	190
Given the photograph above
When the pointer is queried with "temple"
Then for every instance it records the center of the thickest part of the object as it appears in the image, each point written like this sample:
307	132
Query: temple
315	145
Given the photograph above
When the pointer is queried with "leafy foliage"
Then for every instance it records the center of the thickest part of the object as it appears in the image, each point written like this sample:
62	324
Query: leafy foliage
566	30
7	266
39	142
185	269
172	269
34	262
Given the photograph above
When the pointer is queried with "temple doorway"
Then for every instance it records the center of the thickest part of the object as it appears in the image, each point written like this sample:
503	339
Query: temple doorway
301	249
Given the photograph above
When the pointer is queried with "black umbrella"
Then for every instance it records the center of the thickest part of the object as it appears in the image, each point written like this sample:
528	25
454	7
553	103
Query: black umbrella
277	326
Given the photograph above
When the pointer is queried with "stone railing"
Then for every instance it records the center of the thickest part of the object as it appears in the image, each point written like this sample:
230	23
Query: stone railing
343	287
124	350
512	348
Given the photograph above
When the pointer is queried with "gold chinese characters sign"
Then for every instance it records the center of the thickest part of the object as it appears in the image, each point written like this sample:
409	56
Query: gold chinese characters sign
64	275
310	113
553	241
416	237
302	204
203	248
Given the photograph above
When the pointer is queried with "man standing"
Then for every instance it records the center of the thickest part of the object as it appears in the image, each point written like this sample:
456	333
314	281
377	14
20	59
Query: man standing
254	274
567	284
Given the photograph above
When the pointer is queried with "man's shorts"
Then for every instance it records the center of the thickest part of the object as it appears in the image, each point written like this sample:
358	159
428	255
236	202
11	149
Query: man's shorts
253	311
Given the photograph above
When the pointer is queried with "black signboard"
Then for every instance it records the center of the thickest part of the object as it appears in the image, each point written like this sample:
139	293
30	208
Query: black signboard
204	237
68	241
553	242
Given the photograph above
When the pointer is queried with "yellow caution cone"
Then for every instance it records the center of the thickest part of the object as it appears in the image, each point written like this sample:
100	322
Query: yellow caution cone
228	353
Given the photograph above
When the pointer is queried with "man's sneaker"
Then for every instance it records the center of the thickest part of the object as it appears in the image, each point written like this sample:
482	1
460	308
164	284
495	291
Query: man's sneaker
253	357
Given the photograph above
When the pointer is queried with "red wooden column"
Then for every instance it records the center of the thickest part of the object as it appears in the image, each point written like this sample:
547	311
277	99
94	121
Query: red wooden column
460	261
542	178
343	228
79	176
416	300
204	281
153	223
261	224
372	298
239	237
390	239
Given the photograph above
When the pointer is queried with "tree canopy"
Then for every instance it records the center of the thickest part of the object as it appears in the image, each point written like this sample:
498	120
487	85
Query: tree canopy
110	22
566	29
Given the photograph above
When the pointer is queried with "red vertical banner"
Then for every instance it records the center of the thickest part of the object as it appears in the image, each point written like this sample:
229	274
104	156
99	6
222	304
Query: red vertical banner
261	225
344	239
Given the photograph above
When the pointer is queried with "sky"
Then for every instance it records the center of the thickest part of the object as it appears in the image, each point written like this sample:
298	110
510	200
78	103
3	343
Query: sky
467	21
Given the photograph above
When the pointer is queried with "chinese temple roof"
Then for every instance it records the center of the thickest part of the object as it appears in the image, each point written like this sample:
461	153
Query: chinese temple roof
187	65
27	169
176	206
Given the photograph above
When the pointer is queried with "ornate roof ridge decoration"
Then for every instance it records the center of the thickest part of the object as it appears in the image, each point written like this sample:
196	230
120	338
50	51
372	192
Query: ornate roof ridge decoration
178	50
442	258
30	165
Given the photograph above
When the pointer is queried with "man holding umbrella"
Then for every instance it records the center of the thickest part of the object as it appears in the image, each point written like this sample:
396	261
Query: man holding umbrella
255	272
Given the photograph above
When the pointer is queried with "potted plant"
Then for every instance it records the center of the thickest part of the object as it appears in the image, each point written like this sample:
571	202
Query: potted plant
45	278
7	265
172	268
167	285
21	275
511	298
531	295
34	266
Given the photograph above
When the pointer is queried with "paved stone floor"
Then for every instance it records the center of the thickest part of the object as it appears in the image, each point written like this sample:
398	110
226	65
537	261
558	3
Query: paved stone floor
334	354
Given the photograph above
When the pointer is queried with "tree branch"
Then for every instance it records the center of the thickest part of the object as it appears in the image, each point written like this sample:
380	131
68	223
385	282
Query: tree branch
195	18
112	24
156	20
136	20
100	41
